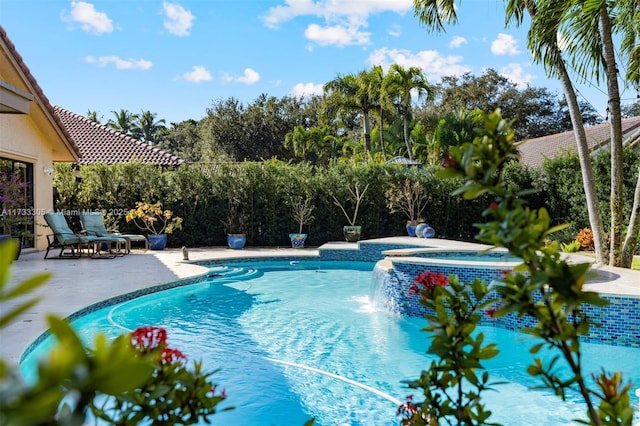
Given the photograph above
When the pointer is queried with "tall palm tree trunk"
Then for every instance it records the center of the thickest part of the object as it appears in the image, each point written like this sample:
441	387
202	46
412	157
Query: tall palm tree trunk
367	135
615	116
405	129
588	180
631	240
383	148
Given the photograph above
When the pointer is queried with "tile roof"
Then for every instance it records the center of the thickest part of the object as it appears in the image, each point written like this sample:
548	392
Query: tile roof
37	92
100	144
533	152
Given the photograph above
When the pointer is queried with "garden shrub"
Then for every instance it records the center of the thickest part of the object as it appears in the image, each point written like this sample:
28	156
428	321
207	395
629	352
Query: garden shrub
199	194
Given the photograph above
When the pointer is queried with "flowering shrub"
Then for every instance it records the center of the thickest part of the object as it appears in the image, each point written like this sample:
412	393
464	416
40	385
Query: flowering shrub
544	286
134	379
585	238
452	384
173	394
150	217
428	281
15	216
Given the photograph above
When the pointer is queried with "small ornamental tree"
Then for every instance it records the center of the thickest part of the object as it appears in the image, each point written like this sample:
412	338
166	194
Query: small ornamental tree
152	218
544	286
408	198
301	210
354	197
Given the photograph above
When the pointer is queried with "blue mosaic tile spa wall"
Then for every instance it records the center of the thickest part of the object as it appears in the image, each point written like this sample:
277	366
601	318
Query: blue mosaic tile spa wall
620	320
365	252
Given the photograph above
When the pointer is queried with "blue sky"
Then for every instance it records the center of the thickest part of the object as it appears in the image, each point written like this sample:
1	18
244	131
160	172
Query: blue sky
176	58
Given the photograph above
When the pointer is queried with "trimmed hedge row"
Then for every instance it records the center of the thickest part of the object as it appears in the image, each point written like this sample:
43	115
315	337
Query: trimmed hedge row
200	195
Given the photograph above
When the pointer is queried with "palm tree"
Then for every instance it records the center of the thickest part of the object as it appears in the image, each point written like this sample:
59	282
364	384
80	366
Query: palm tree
382	104
593	54
93	116
543	43
125	122
149	127
354	93
399	85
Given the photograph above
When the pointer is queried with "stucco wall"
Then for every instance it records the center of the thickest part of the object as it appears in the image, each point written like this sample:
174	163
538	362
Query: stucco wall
20	139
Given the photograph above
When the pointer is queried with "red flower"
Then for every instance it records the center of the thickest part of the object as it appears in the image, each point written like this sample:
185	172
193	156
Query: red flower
170	356
223	393
491	312
450	162
493	206
413	290
429	280
412	413
146	339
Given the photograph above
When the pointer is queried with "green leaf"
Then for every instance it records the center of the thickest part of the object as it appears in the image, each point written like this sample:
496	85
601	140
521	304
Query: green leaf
594	299
123	377
8	250
473	191
27	285
17	311
65	334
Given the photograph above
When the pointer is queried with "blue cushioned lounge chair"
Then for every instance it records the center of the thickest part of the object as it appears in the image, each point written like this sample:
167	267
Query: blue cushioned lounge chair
93	224
67	240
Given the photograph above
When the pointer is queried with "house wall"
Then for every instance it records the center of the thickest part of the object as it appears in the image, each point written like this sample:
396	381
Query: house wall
21	139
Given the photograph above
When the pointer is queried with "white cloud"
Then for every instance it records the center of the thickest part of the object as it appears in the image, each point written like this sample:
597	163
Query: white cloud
303	90
341	21
249	77
505	44
121	64
197	74
89	18
433	63
331	10
336	35
457	41
395	31
178	20
516	74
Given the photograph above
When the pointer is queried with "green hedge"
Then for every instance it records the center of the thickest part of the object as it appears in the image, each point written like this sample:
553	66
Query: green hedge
200	193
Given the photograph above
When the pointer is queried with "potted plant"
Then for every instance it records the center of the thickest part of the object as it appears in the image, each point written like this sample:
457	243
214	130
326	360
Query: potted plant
16	217
156	221
409	198
302	212
235	225
352	231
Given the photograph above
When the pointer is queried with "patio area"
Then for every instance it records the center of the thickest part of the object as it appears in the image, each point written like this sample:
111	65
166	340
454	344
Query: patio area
77	283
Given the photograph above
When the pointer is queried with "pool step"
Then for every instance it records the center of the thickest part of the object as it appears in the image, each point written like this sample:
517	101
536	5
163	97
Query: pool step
226	272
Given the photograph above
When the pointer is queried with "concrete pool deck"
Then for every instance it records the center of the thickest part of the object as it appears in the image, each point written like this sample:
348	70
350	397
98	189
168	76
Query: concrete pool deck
78	283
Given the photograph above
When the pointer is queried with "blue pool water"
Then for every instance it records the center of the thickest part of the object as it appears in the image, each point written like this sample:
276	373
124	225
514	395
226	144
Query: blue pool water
295	340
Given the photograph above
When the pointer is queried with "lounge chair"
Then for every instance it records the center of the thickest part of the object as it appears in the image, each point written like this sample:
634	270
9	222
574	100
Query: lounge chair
93	224
65	239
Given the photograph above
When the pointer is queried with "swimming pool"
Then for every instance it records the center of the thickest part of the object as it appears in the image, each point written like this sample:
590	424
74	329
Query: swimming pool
300	340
